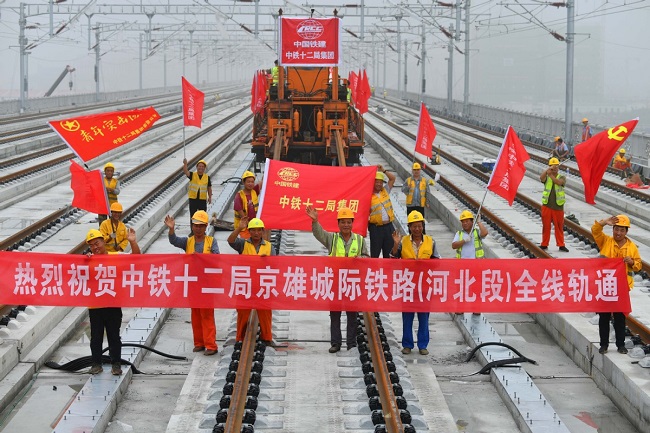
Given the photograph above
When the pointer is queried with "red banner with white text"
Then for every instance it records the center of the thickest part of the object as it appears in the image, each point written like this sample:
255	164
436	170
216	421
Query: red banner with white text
314	283
93	135
310	41
289	188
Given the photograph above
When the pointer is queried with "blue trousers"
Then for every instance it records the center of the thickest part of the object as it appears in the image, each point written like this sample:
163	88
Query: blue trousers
423	330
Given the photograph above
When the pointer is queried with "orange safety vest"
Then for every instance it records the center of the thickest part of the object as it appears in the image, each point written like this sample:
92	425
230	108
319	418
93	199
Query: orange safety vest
379	202
424	252
198	188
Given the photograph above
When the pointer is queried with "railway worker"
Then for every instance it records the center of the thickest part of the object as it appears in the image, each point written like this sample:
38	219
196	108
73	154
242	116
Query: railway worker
380	224
616	246
112	185
114	230
469	245
246	201
108	318
622	163
553	200
203	327
561	150
255	245
345	243
416	188
416	245
586	130
199	190
275	74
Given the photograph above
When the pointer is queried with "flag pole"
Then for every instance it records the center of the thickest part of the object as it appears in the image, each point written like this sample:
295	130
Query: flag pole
416	137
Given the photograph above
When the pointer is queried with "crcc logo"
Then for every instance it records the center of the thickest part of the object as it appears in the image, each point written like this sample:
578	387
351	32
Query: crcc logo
310	29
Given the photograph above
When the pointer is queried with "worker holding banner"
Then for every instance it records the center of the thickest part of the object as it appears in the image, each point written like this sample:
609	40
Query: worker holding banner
203	328
341	244
256	245
380	224
616	246
109	318
416	245
199	190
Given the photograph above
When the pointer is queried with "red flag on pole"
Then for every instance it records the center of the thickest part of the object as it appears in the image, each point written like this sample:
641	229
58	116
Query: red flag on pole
289	187
91	136
88	188
594	155
509	169
426	133
192	104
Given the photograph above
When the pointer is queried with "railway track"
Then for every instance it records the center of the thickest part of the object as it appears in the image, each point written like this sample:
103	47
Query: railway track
268	413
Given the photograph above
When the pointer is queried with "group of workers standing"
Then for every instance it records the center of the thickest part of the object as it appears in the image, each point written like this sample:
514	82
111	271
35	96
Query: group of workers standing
250	238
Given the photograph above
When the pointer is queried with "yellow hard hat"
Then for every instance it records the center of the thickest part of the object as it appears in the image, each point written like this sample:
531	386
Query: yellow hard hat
345	212
109	165
414	216
93	234
200	217
255	223
553	161
621	151
584	119
623	221
380	176
416	166
466	215
247	174
116	207
558	138
202	162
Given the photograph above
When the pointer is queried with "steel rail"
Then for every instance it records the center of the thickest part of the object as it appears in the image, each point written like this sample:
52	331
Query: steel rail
240	386
389	407
32	155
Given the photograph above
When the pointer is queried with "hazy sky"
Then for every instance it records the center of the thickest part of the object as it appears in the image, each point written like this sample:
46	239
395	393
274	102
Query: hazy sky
510	42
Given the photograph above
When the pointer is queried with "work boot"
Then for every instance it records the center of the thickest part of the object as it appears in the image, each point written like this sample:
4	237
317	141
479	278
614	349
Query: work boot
96	369
116	369
335	348
424	352
210	352
269	343
622	350
198	349
406	350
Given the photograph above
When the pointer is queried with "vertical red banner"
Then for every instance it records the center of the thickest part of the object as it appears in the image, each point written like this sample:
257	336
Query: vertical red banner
310	41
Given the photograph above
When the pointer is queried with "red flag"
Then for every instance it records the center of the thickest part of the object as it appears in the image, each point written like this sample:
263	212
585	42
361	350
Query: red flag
289	187
426	133
258	92
509	169
88	188
594	155
363	93
90	136
192	104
